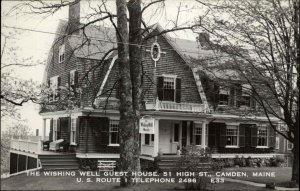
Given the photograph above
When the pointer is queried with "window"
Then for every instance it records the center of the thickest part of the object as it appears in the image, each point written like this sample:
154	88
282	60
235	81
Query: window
223	96
176	133
277	143
198	133
55	129
73	78
169	88
61	53
290	145
113	132
149	139
54	85
73	130
245	99
231	135
262	136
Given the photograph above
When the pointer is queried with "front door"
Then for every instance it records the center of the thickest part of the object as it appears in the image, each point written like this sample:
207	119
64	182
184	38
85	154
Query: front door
165	137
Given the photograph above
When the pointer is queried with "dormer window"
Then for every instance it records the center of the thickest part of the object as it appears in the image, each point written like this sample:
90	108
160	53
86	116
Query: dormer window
224	96
169	88
61	53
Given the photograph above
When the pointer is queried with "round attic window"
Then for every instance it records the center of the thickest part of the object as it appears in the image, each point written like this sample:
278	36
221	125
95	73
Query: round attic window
155	51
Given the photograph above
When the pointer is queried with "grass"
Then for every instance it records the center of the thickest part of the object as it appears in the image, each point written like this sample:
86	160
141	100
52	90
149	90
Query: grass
24	182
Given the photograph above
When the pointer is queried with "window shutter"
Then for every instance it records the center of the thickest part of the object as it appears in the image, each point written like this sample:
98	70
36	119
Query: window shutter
178	90
118	90
191	132
69	79
238	94
242	136
58	128
103	123
252	102
211	135
254	136
51	131
57	95
69	125
231	96
272	137
216	93
76	79
247	135
77	131
160	86
222	135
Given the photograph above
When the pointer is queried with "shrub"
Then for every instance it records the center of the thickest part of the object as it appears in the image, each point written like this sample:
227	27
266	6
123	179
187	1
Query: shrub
196	160
88	164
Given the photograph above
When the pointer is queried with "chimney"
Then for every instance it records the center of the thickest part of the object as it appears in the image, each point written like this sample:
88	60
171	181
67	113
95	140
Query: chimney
74	17
203	39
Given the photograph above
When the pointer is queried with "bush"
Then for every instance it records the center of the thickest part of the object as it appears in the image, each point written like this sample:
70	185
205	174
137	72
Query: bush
196	160
88	164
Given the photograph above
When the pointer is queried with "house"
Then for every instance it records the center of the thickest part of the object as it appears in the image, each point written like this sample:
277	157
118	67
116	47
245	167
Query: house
178	107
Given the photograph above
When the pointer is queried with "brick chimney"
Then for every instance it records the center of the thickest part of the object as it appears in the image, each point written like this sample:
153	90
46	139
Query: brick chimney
203	39
74	17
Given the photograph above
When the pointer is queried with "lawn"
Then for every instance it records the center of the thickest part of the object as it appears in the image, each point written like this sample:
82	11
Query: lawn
24	182
281	174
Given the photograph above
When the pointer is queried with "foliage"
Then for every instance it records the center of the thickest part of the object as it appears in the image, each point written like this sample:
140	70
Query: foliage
88	164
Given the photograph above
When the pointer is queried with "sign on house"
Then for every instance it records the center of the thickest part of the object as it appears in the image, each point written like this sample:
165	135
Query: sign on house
147	125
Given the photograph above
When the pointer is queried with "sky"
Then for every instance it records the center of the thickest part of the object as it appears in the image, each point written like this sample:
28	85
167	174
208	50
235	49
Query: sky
37	44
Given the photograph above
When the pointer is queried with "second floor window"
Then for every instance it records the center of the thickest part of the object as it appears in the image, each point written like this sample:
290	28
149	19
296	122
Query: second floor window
54	83
245	98
223	96
169	88
61	53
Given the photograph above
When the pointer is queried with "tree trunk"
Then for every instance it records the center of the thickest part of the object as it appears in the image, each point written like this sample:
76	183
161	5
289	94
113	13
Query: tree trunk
295	170
127	120
135	56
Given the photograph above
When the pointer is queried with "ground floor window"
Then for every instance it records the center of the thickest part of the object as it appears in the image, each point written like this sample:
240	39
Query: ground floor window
149	139
198	133
262	136
73	130
231	135
113	132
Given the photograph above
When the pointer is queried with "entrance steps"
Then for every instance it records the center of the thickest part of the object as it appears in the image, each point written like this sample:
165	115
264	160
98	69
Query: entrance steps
59	162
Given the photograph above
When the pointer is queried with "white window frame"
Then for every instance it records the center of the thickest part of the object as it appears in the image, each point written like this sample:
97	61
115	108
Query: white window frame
224	91
264	128
174	77
72	77
290	145
113	125
198	132
54	87
277	143
54	129
62	53
246	88
236	127
73	131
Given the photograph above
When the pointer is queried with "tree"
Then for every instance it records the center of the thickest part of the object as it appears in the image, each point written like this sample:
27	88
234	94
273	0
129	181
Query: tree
129	33
259	41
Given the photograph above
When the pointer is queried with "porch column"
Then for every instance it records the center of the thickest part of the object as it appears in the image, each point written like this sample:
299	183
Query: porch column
203	142
156	138
44	129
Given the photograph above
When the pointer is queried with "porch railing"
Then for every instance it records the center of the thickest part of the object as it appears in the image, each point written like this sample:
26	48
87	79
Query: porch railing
173	106
30	146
